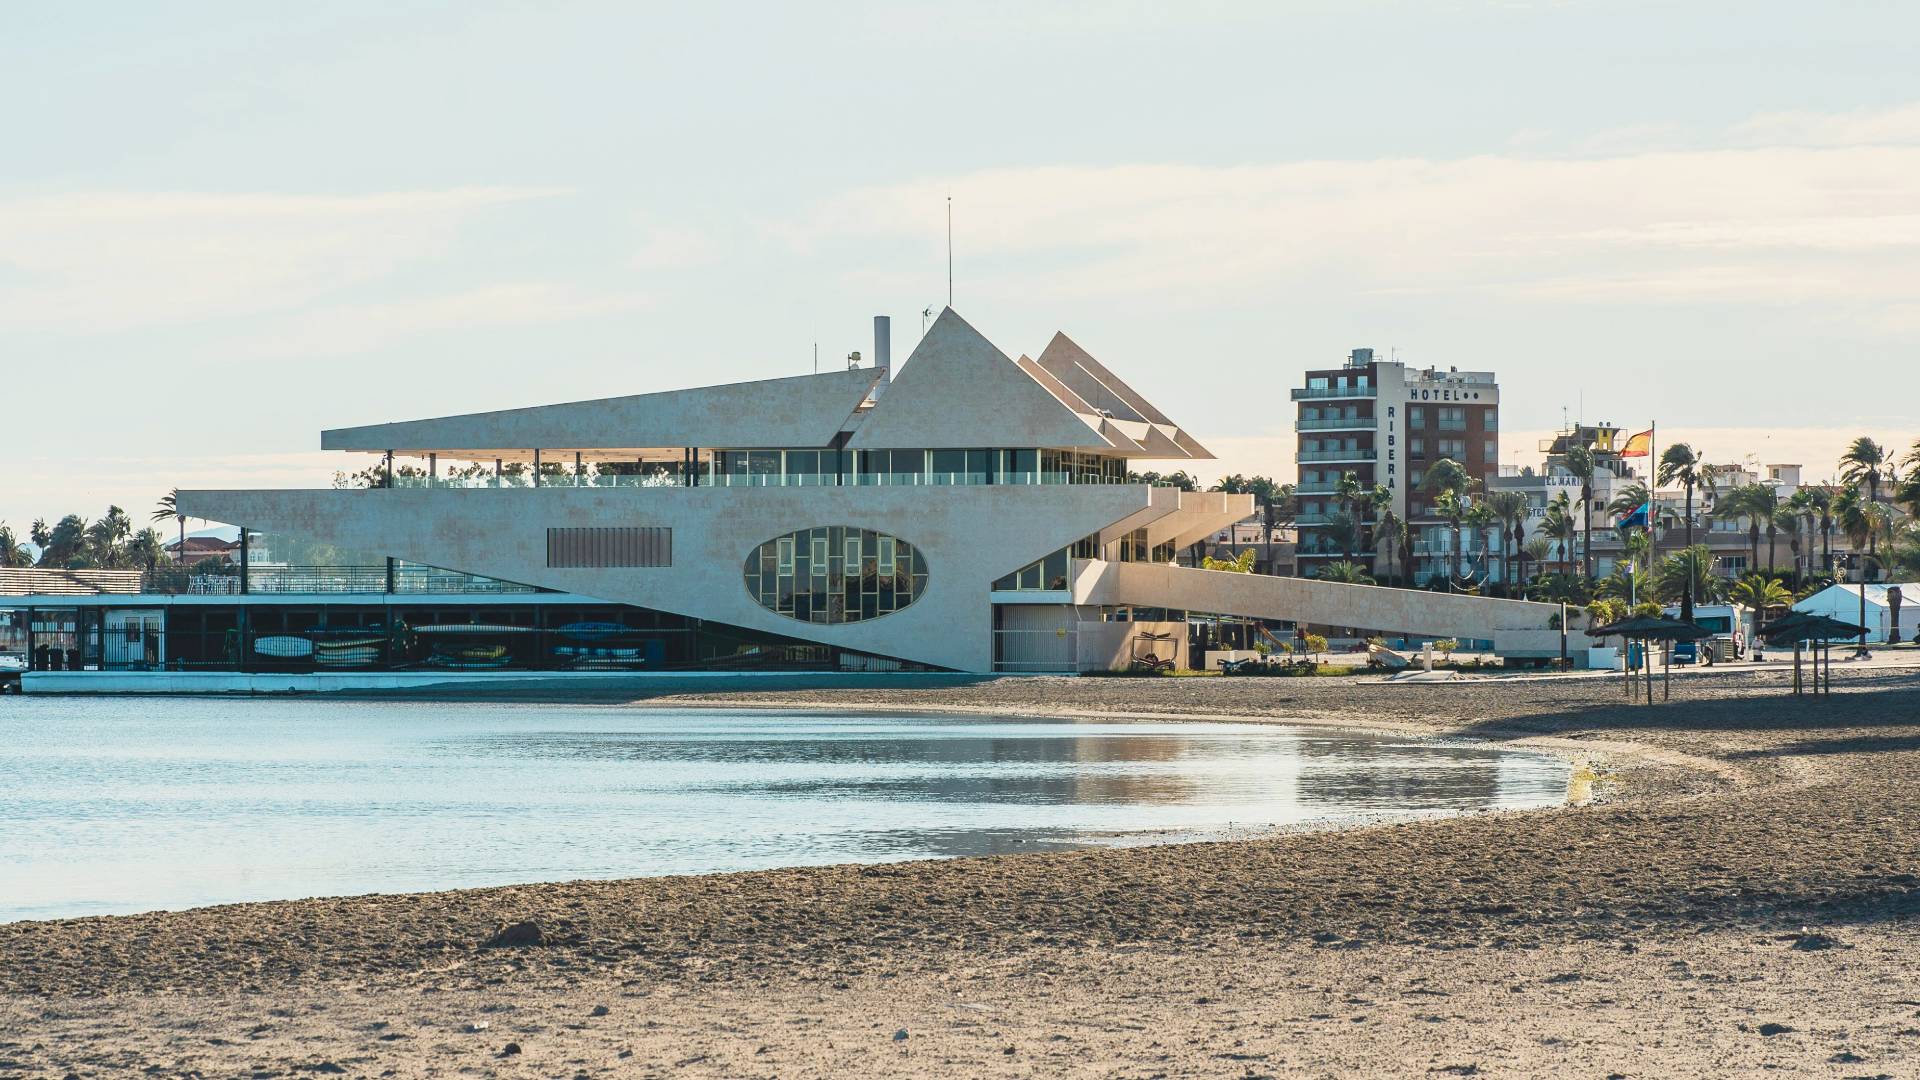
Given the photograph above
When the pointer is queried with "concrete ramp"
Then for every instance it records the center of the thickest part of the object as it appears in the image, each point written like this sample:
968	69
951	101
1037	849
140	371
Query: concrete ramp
1305	600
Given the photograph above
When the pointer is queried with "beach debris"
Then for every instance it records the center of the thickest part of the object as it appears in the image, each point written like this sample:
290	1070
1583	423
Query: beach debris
900	1036
599	1010
510	1049
1845	1057
1770	1029
478	1025
1806	941
516	935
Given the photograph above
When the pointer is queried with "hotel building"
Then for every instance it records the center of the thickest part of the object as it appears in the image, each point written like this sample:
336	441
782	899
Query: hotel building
1386	424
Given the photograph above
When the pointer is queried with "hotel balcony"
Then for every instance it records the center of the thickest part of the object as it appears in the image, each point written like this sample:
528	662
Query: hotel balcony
1359	453
1317	487
1311	520
1338	423
1303	393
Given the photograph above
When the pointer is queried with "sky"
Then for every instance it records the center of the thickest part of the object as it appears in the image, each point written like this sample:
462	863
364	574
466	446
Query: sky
226	226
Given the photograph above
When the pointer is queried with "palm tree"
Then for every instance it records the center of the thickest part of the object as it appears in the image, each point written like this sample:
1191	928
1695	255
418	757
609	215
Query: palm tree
1580	463
1347	490
13	553
1560	525
1761	593
1864	464
1450	480
1484	522
1345	571
62	544
1744	502
1539	549
1791	518
1451	507
1510	507
1863	520
107	537
169	507
1391	529
1682	465
1818	508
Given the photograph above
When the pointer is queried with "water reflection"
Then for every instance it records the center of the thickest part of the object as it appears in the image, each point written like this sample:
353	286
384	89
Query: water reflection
121	806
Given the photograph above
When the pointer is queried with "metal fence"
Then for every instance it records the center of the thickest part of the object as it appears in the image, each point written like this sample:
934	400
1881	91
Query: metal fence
274	578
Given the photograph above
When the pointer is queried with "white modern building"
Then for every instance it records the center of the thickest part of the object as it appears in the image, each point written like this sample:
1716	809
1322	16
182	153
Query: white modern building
971	513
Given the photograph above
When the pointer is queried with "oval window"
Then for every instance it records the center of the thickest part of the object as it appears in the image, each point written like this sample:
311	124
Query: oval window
835	574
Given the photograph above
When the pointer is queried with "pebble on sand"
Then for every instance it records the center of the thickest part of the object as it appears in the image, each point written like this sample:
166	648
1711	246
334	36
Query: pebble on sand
515	936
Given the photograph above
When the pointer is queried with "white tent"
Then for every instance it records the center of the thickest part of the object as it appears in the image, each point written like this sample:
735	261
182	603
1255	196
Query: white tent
1843	602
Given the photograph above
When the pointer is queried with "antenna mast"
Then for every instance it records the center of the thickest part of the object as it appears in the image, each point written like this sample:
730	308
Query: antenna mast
949	251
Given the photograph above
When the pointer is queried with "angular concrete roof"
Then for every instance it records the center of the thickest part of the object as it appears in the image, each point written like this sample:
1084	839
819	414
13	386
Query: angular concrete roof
1100	388
957	389
804	410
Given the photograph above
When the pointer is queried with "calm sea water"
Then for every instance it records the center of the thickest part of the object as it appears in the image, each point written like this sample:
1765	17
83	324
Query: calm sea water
123	805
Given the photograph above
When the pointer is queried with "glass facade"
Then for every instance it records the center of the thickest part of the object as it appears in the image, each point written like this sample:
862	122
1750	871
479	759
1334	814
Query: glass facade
353	635
835	574
797	468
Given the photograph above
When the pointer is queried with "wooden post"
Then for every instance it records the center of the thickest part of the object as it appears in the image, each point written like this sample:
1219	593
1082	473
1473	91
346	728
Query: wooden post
1796	669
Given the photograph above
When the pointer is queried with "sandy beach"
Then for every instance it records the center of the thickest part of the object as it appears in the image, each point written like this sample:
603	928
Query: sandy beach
1735	894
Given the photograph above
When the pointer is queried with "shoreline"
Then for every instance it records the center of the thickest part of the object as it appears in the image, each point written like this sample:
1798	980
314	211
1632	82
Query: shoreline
1728	820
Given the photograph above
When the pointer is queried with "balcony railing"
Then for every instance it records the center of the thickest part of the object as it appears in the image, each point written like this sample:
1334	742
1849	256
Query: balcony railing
1338	423
1305	393
276	578
1310	520
758	480
1359	453
1317	487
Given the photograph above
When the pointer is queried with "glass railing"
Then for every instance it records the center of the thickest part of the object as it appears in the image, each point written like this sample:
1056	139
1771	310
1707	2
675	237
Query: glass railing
1317	487
758	480
1359	453
1308	392
1338	423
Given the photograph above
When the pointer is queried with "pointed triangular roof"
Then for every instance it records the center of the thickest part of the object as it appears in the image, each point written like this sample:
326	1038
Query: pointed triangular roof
957	389
1073	365
1088	378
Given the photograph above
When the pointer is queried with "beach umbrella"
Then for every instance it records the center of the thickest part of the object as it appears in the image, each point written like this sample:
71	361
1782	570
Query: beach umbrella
1648	629
1807	630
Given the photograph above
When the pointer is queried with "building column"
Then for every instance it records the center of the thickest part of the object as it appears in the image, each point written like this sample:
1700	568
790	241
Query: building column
245	555
433	470
536	468
389	468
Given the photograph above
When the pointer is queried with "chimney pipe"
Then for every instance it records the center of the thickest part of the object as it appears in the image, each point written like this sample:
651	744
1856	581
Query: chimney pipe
882	350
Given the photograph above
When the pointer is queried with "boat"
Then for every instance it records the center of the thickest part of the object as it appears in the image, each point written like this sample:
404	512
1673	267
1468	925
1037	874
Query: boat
283	647
592	631
468	657
346	656
472	628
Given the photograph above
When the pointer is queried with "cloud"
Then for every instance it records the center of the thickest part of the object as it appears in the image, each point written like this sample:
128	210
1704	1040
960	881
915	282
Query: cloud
353	328
1745	225
1896	126
106	261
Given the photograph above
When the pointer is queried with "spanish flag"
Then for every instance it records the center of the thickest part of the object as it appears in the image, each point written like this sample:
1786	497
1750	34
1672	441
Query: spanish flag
1639	445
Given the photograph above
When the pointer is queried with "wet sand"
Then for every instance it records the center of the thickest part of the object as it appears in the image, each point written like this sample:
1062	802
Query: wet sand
1738	896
